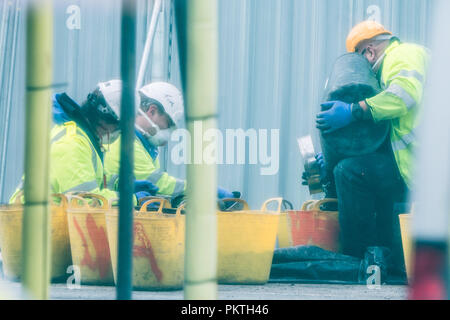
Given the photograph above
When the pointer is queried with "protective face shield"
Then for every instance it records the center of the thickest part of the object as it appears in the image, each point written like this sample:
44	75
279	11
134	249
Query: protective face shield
155	135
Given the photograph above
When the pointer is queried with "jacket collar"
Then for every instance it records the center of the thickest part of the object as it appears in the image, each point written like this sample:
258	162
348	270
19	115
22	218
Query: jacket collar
65	109
152	150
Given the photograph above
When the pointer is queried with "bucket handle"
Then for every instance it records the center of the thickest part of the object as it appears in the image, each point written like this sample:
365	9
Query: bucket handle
61	196
287	203
63	199
74	201
244	203
145	199
180	207
317	205
162	202
307	204
18	199
279	200
102	201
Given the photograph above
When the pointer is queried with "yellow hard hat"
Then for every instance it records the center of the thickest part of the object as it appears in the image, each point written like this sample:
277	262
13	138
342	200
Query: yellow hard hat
364	31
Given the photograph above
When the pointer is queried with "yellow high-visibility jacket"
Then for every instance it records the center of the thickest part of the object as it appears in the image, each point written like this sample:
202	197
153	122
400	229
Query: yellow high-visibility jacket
75	165
145	168
403	75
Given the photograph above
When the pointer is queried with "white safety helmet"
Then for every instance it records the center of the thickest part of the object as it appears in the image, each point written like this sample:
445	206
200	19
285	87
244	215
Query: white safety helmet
169	97
112	92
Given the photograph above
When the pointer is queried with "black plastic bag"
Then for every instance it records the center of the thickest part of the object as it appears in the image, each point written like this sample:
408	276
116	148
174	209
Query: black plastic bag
310	264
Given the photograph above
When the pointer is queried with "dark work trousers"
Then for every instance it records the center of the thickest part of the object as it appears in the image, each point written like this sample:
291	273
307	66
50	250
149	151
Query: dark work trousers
368	188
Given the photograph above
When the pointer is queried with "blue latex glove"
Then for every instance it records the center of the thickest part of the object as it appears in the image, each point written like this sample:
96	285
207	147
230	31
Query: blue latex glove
223	194
141	194
321	161
146	186
338	116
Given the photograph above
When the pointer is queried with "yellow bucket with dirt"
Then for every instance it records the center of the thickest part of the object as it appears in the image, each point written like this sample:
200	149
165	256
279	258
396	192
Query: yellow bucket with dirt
246	242
287	225
88	238
158	248
405	228
11	218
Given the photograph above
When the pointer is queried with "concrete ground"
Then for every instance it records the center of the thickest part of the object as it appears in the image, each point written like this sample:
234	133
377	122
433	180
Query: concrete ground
270	291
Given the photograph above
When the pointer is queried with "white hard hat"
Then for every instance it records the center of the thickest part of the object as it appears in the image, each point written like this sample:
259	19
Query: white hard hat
112	92
168	96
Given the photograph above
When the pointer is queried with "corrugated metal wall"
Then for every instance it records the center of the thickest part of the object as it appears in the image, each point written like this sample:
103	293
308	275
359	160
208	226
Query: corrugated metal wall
12	84
86	51
274	59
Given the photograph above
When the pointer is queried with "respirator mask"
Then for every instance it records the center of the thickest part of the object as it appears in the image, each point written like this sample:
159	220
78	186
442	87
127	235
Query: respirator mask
155	135
376	65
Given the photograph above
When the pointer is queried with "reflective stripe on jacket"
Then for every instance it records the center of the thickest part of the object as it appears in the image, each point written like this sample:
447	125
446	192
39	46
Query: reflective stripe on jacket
145	168
403	77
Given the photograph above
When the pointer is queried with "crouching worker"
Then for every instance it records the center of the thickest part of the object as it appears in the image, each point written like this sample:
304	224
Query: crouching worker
160	112
77	138
369	186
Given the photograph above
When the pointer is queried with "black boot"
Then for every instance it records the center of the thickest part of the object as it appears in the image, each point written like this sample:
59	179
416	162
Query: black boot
375	265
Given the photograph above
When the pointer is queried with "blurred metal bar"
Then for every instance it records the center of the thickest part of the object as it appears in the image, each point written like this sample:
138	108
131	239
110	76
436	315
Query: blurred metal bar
433	156
198	42
430	223
36	219
126	174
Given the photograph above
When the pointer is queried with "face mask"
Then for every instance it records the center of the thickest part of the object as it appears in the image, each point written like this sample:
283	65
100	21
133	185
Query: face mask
161	137
378	62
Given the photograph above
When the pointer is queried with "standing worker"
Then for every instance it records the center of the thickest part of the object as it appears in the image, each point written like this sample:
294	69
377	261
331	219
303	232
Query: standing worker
77	140
369	186
161	111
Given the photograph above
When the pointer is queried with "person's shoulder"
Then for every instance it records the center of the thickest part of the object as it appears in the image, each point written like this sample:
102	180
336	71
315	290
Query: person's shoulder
407	55
69	136
407	49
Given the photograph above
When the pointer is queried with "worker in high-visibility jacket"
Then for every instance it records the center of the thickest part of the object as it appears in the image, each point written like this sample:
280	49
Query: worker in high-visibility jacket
77	138
369	186
161	110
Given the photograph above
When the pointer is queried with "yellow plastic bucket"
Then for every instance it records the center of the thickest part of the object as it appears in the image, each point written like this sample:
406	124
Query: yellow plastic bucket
405	227
246	242
287	225
158	249
11	239
89	240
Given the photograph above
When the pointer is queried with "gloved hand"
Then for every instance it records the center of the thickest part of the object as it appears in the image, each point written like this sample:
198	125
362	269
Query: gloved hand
222	193
146	186
321	161
337	117
227	205
141	194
